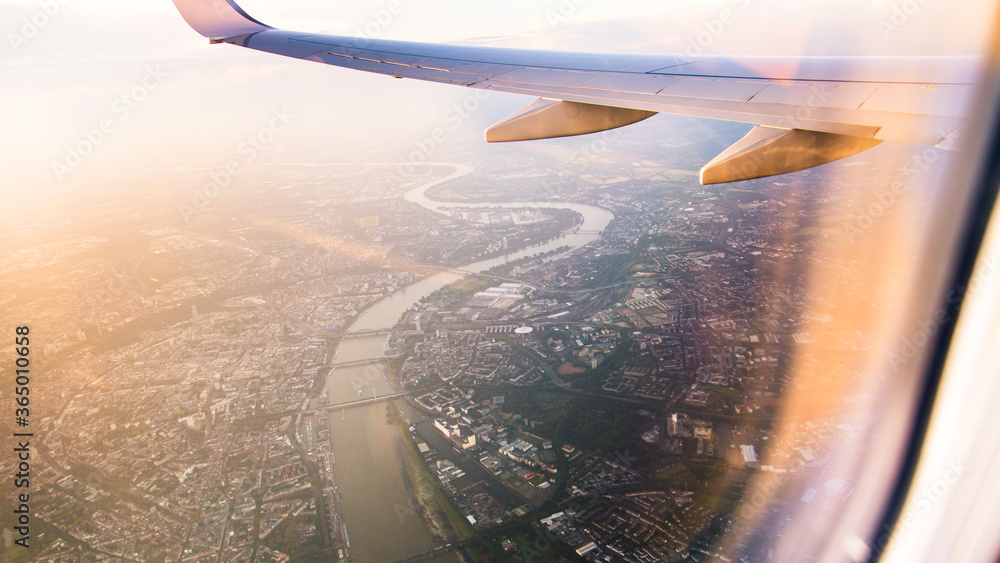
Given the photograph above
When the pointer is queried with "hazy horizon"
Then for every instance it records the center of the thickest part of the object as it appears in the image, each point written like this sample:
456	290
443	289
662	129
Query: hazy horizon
191	105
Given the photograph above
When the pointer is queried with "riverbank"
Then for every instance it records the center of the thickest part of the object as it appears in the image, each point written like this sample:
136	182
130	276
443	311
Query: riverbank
440	515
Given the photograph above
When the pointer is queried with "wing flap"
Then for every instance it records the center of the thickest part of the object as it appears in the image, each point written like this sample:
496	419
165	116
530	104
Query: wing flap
775	115
635	83
398	70
813	94
713	89
936	100
562	78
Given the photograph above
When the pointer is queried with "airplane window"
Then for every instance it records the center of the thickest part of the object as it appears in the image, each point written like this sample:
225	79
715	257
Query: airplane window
690	300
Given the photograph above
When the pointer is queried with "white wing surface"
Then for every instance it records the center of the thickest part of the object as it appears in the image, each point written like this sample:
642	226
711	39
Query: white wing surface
809	110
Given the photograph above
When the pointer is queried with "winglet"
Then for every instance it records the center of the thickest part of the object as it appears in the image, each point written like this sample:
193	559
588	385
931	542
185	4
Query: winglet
218	19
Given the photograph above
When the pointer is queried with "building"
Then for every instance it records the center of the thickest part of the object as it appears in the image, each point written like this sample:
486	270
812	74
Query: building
459	436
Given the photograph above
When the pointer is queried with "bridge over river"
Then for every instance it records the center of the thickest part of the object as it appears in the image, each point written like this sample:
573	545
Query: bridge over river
360	362
352	404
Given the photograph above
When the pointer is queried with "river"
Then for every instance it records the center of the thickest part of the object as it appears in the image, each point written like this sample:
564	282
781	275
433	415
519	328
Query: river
370	477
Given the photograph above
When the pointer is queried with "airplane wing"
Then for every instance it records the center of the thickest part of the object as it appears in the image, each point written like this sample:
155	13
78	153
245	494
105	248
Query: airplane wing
808	110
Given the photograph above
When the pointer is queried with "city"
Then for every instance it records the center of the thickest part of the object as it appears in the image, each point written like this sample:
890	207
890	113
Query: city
213	388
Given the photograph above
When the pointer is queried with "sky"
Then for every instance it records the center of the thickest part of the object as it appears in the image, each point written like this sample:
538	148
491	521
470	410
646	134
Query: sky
149	100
